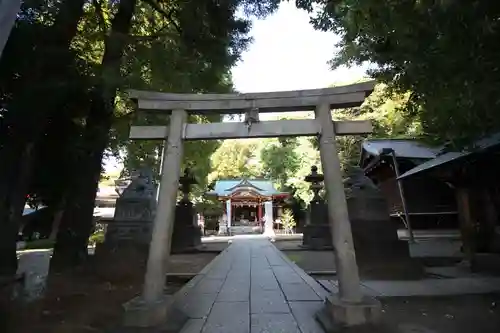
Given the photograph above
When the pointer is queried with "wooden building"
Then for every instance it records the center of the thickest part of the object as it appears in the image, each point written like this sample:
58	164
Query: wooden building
248	201
473	176
430	202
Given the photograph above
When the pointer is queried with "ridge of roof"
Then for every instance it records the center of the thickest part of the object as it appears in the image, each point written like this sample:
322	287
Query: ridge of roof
410	148
244	182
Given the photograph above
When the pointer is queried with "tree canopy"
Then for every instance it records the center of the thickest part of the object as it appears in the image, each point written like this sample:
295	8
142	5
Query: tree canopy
442	54
64	103
235	159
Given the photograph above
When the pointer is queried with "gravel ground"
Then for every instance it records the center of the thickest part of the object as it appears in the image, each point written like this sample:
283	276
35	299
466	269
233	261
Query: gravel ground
458	314
84	301
35	265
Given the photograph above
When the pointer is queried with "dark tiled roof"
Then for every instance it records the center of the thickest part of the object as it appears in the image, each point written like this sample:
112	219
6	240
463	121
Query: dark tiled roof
402	147
448	157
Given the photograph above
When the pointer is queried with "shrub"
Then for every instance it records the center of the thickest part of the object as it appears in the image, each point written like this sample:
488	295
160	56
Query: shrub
288	220
97	237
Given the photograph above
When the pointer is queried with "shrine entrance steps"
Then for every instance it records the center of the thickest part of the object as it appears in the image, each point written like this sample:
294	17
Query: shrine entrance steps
245	230
251	287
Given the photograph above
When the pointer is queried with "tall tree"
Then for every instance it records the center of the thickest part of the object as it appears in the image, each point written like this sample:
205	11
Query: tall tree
72	239
443	53
42	80
209	34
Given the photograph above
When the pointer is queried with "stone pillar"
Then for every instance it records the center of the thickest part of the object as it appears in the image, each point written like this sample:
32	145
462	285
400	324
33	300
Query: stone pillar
152	307
223	225
348	308
187	233
229	212
317	234
268	224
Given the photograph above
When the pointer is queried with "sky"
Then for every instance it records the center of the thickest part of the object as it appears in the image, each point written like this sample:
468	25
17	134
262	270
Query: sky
286	54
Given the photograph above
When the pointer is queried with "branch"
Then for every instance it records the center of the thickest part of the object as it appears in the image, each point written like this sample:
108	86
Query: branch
156	6
157	34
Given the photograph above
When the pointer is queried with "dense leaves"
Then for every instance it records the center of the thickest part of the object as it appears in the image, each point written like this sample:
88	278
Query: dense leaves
34	89
444	53
64	103
384	108
235	159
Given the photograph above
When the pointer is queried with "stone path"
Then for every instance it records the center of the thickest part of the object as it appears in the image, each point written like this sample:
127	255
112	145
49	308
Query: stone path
251	287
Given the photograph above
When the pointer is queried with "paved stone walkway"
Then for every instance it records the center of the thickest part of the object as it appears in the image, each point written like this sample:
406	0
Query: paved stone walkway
251	287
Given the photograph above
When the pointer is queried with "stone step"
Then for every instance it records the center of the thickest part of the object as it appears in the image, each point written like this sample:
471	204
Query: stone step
245	230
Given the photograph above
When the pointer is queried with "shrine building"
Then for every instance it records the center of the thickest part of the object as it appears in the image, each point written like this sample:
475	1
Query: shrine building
248	202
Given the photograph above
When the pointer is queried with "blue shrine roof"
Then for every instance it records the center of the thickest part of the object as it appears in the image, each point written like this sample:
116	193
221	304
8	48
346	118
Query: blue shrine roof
226	187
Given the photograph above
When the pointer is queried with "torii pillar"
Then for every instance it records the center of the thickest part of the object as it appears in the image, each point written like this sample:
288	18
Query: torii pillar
349	307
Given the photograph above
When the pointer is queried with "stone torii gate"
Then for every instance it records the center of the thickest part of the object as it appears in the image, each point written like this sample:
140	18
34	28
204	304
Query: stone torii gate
349	306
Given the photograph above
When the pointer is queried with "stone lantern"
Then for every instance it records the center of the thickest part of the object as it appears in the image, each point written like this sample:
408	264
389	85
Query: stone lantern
315	179
186	236
186	182
317	234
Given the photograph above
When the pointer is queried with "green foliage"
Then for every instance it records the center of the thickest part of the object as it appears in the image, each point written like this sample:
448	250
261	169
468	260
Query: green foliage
308	156
194	58
441	55
287	219
235	159
385	109
176	46
64	103
97	237
209	207
44	90
285	162
280	160
289	162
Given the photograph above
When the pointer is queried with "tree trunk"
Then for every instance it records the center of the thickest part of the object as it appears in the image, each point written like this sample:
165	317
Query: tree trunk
56	222
76	226
18	196
19	152
8	234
